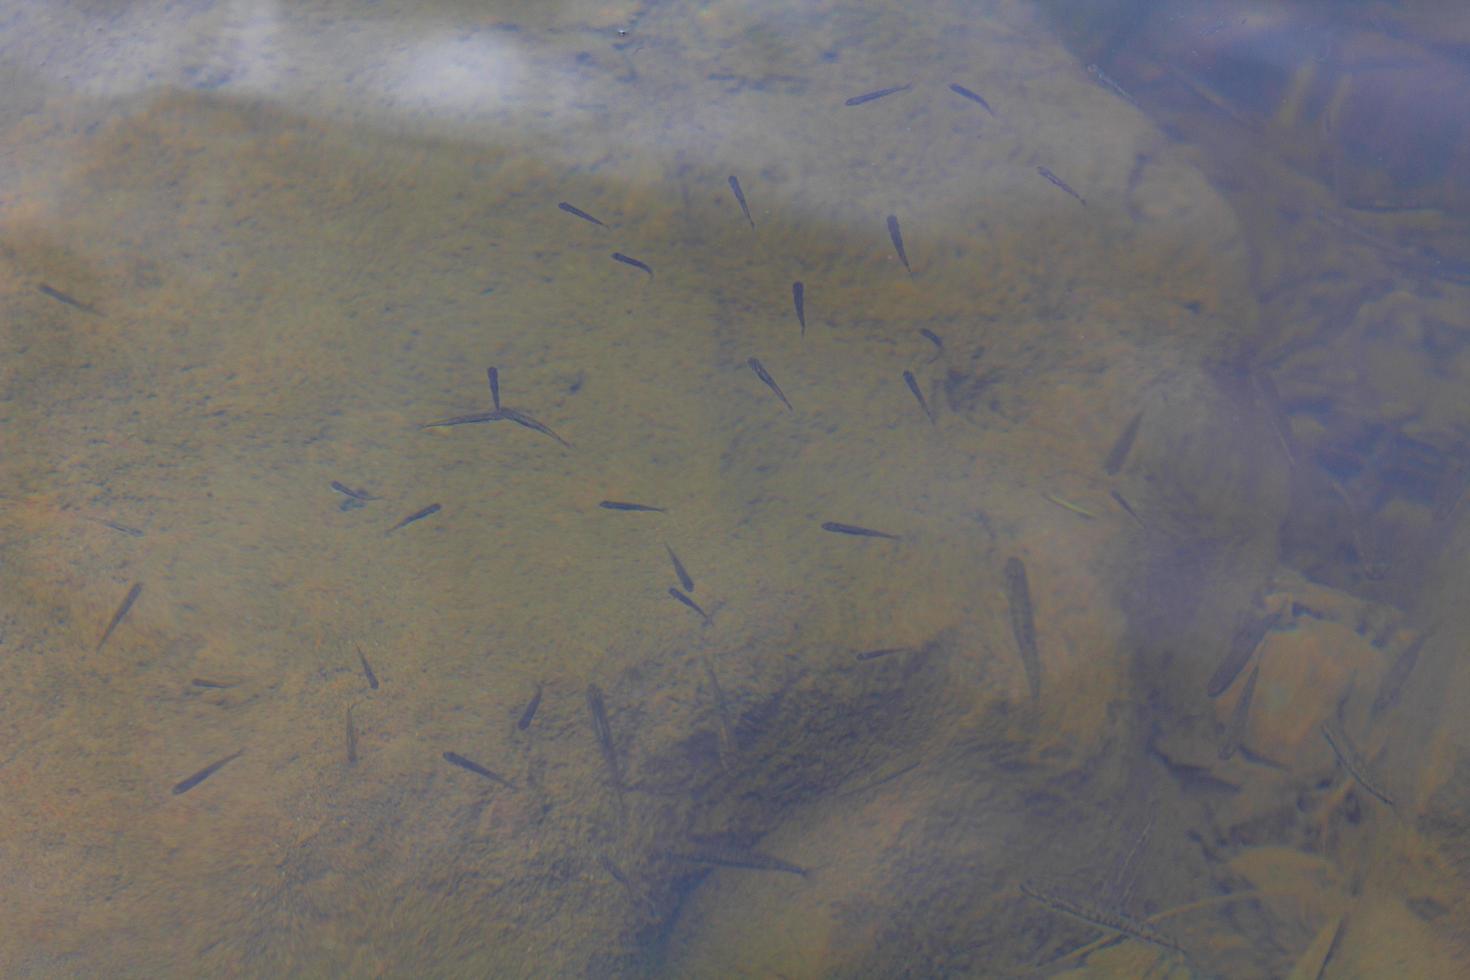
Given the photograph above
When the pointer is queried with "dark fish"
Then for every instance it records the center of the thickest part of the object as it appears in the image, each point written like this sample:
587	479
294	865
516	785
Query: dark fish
351	738
688	602
629	260
530	712
184	785
960	90
908	379
491	416
1397	675
1023	622
129	531
874	96
1118	497
897	238
837	527
122	611
521	418
367	671
494	375
620	505
1102	918
932	337
417	515
61	297
875	654
1060	183
213	685
880	780
770	382
347	491
733	857
726	742
645	904
1244	643
1119	453
580	213
455	758
740	196
603	731
1239	716
798	296
1352	762
614	870
679	571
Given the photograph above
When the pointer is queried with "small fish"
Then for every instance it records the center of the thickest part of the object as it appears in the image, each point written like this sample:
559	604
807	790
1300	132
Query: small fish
1239	717
347	491
683	576
764	375
1276	411
1065	504
643	902
932	337
521	418
908	379
614	870
726	742
1397	675
1119	453
798	296
492	416
875	654
122	611
740	197
580	213
1060	183
417	515
837	527
367	671
629	260
1352	762
874	96
897	237
1103	79
1023	622
351	738
1119	886
603	731
1118	497
960	90
212	685
493	374
454	758
131	532
688	602
733	857
1102	918
184	785
888	778
61	297
530	712
622	505
1244	643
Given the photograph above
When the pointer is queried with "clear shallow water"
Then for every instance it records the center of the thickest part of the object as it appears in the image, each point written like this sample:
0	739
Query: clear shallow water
275	244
